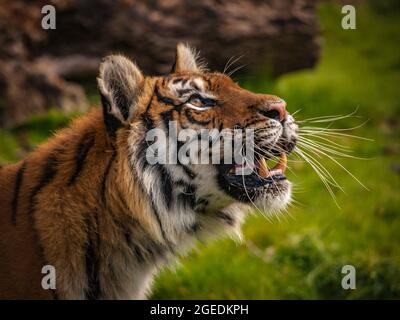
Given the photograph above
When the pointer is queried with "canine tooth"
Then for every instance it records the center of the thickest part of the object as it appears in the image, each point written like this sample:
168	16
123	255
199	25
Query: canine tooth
263	168
281	165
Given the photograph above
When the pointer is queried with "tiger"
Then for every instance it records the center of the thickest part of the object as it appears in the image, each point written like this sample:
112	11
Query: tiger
88	203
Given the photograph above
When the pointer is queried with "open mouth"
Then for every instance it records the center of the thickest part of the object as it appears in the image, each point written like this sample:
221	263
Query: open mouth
241	179
261	168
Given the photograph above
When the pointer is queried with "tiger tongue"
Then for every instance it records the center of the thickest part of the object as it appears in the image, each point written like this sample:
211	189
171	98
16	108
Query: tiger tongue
279	168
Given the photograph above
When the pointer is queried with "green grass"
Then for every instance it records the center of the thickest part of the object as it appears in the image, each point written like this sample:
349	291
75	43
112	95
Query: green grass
301	255
17	142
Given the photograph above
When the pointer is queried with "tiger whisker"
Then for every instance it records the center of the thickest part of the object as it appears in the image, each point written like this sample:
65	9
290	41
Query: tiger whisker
232	60
334	135
332	150
330	118
340	165
313	128
322	178
235	70
327	142
294	113
321	169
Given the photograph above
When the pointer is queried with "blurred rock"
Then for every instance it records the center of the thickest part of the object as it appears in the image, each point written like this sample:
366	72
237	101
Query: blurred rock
33	87
28	85
274	35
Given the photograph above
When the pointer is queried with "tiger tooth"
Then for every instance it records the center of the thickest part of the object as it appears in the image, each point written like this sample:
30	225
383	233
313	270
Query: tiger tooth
263	168
281	165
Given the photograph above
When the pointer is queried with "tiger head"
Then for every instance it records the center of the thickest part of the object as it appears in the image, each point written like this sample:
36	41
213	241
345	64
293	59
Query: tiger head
196	99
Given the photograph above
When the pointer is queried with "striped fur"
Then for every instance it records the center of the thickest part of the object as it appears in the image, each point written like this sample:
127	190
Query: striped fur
88	203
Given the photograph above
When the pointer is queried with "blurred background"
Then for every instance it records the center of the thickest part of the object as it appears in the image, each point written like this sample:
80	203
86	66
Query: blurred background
296	49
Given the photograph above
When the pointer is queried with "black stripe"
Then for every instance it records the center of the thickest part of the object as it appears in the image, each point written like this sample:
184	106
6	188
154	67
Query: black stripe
182	183
166	184
167	118
140	155
136	250
165	100
181	92
193	228
18	181
148	122
146	118
188	196
93	290
175	81
227	218
111	123
254	121
48	173
157	215
168	101
201	205
81	153
140	158
145	250
105	176
150	102
187	170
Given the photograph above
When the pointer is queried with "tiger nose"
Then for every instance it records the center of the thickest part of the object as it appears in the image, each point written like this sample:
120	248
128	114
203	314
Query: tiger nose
276	109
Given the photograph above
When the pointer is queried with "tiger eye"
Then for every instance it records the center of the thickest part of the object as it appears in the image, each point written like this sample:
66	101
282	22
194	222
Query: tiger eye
196	101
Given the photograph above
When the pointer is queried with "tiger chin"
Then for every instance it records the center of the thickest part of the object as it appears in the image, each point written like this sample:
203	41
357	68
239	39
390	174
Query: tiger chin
88	203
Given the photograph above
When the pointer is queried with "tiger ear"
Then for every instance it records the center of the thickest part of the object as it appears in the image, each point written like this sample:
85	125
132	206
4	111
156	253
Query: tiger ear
187	59
120	82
